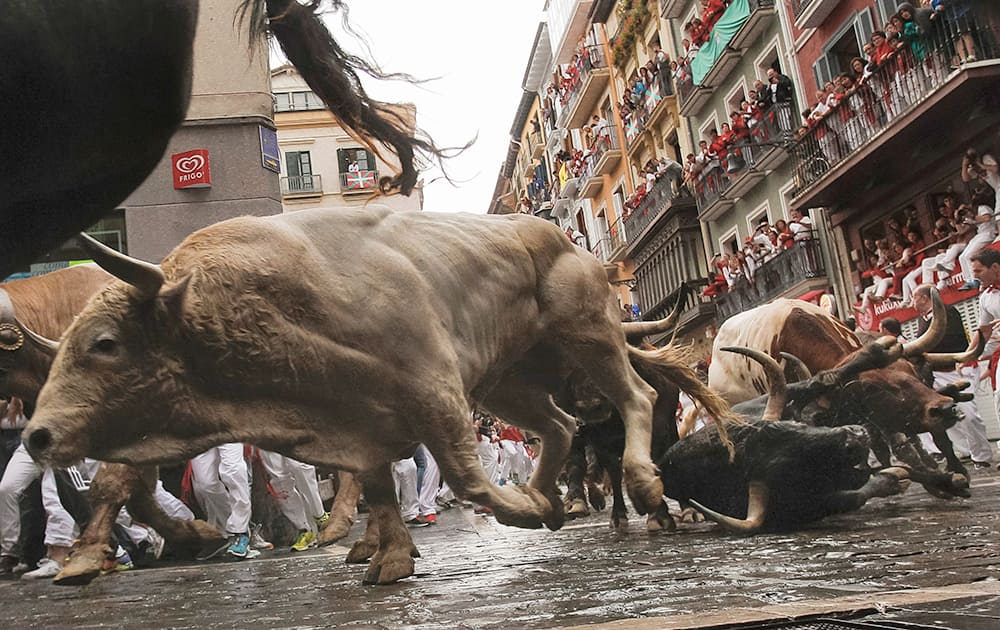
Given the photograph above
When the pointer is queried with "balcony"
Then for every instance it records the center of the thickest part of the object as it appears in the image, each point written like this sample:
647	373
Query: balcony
716	59
891	114
606	153
535	145
602	250
590	182
692	98
746	164
696	308
554	142
792	272
760	13
642	117
301	186
812	13
672	9
565	198
360	182
666	197
592	76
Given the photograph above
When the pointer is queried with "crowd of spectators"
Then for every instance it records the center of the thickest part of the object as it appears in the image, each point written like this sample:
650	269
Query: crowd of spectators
733	270
899	258
910	53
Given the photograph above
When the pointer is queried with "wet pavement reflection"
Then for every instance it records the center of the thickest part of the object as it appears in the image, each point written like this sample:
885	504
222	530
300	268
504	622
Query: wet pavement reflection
475	573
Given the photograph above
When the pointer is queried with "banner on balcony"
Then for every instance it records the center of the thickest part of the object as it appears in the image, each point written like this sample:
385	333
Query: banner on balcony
722	33
360	179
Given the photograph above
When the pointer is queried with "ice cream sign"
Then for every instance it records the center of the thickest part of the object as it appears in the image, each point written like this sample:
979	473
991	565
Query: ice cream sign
191	169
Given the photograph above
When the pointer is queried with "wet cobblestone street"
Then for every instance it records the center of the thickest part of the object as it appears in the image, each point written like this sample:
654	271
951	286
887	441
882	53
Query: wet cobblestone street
475	573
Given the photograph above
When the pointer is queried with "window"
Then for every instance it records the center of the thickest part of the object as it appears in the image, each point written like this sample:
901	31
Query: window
753	219
365	159
298	165
735	97
886	9
845	45
297	101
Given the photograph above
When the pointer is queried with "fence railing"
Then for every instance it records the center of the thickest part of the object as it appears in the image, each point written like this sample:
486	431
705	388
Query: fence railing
802	261
590	58
665	193
301	184
773	131
636	121
902	81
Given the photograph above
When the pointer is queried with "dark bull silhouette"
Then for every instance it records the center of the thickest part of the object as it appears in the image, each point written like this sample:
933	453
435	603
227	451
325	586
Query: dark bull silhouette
93	92
784	474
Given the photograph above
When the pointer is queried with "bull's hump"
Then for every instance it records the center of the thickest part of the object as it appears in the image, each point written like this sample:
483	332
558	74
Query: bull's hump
814	336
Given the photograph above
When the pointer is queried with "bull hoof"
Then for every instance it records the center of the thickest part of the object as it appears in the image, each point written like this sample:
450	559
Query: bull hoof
619	522
660	522
691	515
596	497
83	566
529	508
334	530
362	551
577	508
390	566
646	492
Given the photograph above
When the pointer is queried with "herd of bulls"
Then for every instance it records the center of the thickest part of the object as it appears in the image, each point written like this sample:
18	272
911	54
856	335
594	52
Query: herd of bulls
345	338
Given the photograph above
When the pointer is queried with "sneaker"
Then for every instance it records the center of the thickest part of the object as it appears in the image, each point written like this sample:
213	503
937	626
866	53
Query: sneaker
122	562
306	540
257	541
940	267
21	568
431	519
156	544
7	564
982	465
239	545
47	568
969	286
416	521
321	521
482	509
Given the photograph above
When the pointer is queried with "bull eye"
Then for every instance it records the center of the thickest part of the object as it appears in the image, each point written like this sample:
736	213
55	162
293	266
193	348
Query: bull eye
105	345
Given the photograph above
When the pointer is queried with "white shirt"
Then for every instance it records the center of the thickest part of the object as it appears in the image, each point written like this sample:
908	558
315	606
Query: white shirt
989	310
992	178
801	229
987	228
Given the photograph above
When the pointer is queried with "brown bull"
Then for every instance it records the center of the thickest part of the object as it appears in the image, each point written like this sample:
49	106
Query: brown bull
344	339
892	401
33	309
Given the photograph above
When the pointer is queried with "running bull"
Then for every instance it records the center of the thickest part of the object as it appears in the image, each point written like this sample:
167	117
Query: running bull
344	339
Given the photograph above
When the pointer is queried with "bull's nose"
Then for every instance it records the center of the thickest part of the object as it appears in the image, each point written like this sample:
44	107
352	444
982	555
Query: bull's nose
39	441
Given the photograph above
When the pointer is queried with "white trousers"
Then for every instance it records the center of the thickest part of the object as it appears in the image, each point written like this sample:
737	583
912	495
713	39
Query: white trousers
978	242
60	529
404	473
968	436
221	484
296	488
489	457
429	484
515	463
171	506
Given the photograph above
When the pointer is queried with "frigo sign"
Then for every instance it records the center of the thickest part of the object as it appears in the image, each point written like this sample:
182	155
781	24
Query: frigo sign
192	169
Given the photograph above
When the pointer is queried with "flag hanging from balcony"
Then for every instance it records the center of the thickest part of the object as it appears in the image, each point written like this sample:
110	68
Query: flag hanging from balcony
722	33
360	179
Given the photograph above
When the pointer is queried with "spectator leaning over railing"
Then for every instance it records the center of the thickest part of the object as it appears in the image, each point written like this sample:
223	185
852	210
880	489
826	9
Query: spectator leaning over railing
986	232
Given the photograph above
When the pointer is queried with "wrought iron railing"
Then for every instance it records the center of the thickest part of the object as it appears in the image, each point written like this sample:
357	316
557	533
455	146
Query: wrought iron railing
799	7
604	142
902	81
772	132
591	57
802	261
301	184
637	119
664	194
602	249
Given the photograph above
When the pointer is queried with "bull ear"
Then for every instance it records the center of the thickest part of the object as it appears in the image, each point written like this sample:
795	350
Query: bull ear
146	277
174	295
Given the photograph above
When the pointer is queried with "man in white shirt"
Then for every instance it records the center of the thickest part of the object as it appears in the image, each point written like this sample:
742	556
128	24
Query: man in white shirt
986	269
800	226
986	231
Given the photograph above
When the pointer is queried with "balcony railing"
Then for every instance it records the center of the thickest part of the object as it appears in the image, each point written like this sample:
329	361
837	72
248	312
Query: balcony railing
636	122
801	262
665	193
360	181
590	59
771	133
302	185
602	249
900	83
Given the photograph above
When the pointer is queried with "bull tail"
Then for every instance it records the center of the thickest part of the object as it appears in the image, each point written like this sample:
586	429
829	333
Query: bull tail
332	73
660	367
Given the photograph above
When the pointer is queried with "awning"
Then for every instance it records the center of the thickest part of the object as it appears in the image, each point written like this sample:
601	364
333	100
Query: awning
812	296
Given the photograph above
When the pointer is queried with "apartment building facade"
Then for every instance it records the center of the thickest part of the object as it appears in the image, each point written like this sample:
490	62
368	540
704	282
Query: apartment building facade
320	165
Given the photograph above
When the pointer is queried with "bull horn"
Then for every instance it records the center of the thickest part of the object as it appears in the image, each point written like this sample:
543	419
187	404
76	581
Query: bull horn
935	332
147	277
776	384
758	495
44	344
642	329
800	367
947	360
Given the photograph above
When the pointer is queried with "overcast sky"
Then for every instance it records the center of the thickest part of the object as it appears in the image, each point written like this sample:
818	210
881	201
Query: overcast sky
479	51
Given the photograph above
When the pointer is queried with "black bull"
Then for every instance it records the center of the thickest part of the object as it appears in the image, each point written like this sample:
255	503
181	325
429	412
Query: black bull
93	92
